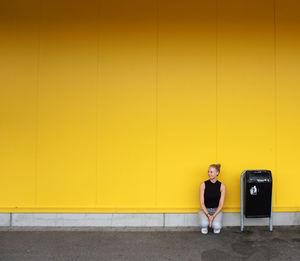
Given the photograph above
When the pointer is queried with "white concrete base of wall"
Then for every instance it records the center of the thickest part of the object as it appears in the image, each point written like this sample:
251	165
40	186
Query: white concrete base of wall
147	220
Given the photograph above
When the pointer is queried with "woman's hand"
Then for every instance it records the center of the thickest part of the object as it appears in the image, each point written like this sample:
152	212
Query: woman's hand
210	219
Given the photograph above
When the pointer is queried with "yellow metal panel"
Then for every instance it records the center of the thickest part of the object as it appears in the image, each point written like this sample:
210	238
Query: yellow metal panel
245	92
288	102
18	99
186	105
120	106
126	104
67	105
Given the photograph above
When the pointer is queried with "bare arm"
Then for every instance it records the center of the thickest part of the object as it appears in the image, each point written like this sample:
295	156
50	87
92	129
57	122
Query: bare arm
202	188
221	202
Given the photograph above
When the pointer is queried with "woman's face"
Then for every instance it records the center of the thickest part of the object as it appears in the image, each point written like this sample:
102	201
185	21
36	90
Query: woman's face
212	173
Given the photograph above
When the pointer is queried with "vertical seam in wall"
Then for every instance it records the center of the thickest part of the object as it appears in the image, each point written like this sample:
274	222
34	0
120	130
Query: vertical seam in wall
156	100
10	219
275	98
217	81
37	100
97	83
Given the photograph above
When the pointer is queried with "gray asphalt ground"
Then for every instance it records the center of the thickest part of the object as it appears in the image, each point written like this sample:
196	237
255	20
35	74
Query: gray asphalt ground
255	243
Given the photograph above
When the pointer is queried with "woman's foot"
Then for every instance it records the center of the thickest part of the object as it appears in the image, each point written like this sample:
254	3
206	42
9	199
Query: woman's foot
204	230
217	231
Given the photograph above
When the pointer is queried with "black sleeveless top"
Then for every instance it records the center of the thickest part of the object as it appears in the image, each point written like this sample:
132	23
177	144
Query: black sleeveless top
212	194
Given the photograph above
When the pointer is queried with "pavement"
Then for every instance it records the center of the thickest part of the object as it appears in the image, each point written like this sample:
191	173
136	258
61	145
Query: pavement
255	243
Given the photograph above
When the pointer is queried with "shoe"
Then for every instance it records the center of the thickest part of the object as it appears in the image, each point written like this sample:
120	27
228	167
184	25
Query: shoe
204	230
217	231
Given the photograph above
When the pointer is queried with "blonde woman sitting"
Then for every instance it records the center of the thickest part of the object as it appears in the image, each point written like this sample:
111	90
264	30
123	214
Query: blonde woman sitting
212	195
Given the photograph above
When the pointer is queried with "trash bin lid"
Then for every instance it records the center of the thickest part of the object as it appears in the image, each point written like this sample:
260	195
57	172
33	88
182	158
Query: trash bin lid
258	176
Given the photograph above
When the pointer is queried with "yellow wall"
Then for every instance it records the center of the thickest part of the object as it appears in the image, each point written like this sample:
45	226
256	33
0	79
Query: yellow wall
121	105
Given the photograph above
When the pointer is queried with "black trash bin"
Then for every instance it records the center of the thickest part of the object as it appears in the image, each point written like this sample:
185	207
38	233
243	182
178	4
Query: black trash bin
257	193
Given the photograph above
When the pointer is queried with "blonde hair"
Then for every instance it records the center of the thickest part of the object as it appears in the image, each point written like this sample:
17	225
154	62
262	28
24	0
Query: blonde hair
216	166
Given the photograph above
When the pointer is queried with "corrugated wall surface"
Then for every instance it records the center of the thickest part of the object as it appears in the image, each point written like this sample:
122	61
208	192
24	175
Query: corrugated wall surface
120	106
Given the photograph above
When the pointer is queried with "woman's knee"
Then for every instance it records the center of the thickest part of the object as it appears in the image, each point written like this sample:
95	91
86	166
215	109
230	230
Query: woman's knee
203	219
217	225
204	223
